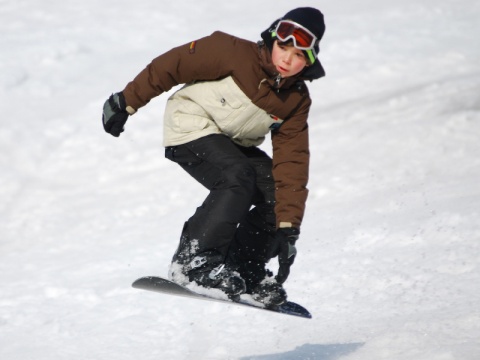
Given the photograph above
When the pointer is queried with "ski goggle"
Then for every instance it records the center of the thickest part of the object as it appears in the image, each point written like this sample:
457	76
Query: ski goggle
303	39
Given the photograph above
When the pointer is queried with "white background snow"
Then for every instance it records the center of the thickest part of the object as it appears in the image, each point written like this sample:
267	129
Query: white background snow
388	258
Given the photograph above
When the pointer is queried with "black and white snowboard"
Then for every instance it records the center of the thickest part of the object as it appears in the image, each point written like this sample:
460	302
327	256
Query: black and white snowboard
161	285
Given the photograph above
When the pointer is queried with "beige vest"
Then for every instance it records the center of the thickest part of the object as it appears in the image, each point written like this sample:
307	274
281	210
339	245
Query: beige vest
215	107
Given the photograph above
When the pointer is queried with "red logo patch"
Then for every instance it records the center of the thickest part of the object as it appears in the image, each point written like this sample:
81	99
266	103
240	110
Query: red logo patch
192	47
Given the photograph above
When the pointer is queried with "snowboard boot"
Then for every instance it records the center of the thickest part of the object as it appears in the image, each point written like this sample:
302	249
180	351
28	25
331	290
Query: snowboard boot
182	257
269	292
261	284
207	269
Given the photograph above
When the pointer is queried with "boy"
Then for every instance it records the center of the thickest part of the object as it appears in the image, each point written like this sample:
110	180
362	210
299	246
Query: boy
236	92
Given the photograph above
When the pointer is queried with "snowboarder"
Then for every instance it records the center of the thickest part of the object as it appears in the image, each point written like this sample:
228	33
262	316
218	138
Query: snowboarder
236	92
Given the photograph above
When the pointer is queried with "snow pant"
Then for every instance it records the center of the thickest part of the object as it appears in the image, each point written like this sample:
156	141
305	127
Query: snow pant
237	217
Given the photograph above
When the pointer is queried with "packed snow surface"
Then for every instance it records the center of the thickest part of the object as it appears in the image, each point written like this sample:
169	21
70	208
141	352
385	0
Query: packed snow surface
389	252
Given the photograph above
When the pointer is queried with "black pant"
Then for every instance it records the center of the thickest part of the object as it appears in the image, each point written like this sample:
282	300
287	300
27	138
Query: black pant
238	178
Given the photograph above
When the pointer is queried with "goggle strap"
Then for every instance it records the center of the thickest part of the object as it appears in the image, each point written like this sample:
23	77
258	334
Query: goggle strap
311	56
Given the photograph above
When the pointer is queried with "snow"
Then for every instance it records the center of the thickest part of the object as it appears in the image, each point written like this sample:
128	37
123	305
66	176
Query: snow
388	255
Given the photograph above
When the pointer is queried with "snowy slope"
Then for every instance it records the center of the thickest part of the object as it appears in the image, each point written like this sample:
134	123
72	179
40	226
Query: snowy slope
389	252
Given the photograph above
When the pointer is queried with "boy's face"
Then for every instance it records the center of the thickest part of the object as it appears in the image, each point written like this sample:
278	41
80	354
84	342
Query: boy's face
288	60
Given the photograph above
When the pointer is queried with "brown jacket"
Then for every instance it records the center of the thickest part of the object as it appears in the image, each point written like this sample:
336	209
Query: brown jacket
220	56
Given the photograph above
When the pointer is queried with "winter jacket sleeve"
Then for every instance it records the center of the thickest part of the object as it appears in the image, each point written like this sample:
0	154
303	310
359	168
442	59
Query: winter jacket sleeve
290	167
209	58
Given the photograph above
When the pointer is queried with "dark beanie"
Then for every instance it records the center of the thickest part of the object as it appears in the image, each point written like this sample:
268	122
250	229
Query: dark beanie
308	17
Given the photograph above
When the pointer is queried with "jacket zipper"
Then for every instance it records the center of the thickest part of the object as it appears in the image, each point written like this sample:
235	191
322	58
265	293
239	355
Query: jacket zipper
277	82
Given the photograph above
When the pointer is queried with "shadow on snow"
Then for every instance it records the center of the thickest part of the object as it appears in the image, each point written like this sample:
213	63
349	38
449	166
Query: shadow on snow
311	352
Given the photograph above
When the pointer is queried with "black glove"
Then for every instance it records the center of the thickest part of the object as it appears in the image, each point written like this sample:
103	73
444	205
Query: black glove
285	239
115	114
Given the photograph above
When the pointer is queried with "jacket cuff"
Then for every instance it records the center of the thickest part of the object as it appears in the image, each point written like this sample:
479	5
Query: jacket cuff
130	110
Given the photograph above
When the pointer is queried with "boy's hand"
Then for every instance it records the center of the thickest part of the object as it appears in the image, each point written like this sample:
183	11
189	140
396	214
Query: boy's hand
286	238
115	114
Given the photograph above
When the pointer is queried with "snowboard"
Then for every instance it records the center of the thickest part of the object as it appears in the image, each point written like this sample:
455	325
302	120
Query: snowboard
161	285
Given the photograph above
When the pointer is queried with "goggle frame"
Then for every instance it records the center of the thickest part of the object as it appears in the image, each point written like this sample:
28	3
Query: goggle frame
294	26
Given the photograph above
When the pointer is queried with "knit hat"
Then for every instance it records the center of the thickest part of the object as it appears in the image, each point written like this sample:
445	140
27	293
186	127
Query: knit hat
310	18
